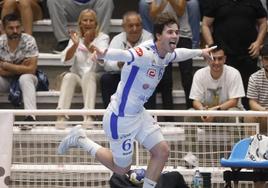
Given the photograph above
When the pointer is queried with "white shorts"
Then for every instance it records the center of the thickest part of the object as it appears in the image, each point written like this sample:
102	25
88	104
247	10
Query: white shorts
122	131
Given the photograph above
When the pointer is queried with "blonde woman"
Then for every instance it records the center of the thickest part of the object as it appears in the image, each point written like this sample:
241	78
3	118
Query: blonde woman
29	11
83	72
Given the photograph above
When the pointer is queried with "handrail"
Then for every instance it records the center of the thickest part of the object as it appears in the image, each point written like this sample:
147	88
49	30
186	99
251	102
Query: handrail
79	112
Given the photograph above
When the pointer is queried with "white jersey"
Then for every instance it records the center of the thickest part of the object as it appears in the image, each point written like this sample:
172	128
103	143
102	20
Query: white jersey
141	75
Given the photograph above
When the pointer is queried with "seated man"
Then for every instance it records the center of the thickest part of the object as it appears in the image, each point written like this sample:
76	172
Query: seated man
216	87
18	59
132	36
257	92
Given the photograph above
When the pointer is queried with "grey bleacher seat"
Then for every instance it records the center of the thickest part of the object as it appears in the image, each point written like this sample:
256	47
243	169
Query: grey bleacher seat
45	25
51	64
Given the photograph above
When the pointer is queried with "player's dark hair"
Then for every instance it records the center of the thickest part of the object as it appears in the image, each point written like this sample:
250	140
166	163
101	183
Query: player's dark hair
161	21
10	18
219	47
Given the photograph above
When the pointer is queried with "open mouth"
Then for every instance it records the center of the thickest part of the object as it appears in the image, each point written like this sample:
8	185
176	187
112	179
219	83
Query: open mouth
172	44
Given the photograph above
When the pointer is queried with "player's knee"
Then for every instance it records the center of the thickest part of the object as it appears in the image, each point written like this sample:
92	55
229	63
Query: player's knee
122	165
164	154
68	77
121	170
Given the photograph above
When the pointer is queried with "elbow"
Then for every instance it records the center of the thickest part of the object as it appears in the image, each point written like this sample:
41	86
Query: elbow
252	103
233	103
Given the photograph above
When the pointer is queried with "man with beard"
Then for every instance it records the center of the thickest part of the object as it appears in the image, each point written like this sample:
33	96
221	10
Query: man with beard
18	59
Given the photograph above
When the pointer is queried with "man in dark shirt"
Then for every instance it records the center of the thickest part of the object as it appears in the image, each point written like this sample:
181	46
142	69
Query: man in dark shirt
232	25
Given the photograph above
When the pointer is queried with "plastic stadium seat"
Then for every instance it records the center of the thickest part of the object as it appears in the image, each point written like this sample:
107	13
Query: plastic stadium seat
237	161
237	157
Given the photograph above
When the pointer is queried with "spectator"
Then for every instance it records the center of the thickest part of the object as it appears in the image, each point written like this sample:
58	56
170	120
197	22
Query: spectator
194	18
240	33
147	22
179	10
132	35
29	10
194	21
264	4
257	92
64	11
18	54
216	87
83	71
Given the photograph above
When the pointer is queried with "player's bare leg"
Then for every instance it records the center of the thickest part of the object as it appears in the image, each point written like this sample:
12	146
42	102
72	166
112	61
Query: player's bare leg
77	138
159	156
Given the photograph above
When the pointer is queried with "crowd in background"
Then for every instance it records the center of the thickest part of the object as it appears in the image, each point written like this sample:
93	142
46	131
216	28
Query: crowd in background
238	28
232	79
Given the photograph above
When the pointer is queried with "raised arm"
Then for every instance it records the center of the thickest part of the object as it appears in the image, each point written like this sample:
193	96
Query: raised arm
207	30
184	53
178	6
254	48
112	54
155	9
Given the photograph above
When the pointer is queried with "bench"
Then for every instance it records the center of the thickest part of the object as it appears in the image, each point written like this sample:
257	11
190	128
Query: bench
52	97
52	61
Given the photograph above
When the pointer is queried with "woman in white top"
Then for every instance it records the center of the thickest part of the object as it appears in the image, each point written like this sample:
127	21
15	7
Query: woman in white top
83	72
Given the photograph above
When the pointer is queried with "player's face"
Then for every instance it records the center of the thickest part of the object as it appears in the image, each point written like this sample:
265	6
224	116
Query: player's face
13	30
169	38
216	65
133	28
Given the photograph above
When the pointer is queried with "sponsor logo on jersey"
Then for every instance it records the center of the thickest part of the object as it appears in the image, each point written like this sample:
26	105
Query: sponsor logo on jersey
151	73
161	73
139	51
142	98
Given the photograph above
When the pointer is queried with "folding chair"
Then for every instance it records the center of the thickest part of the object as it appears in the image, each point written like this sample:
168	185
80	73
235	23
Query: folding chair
237	161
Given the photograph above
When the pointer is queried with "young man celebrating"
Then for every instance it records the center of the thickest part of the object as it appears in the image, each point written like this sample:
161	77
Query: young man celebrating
125	119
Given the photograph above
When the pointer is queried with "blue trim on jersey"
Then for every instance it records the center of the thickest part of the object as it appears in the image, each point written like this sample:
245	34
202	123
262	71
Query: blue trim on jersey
130	80
132	55
174	57
114	126
156	50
